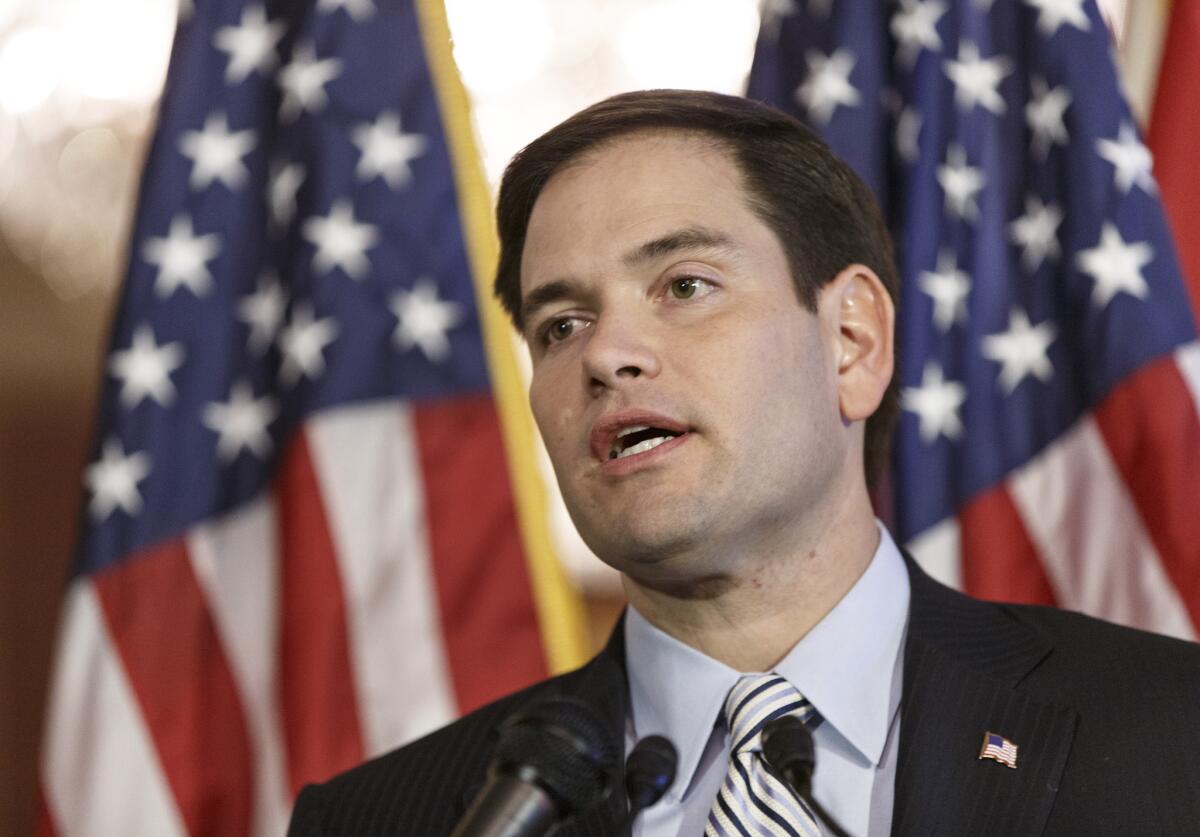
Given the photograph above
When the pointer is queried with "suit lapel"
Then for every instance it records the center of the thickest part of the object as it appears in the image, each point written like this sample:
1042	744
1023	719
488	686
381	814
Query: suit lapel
604	687
963	663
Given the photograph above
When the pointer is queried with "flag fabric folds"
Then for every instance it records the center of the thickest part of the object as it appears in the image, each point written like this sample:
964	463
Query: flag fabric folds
1049	444
1173	125
301	543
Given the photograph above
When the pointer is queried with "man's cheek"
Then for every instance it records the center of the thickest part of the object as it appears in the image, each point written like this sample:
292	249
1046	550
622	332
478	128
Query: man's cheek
543	413
559	435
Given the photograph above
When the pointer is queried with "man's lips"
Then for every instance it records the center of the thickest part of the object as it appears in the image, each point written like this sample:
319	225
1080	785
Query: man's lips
609	427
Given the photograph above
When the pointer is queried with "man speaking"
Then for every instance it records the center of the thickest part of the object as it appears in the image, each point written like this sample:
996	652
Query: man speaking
707	296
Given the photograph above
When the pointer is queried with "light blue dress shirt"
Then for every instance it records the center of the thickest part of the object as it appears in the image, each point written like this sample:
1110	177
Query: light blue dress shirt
850	666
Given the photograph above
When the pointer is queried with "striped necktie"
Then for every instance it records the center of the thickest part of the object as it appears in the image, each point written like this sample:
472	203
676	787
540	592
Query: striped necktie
752	801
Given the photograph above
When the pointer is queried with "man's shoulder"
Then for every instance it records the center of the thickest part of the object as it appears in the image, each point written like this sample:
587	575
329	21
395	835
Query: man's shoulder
1135	698
1061	657
1090	653
425	784
1096	667
1081	633
1105	717
1055	642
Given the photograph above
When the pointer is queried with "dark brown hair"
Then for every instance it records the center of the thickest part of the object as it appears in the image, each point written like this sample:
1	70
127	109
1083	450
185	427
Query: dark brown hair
824	216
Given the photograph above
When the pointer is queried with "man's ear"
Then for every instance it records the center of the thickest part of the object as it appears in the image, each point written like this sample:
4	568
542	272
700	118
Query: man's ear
862	321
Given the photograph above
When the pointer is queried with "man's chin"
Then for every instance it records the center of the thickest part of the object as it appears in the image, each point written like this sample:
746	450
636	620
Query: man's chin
677	579
658	557
634	534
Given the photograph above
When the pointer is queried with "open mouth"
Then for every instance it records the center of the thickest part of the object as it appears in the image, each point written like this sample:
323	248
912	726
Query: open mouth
639	439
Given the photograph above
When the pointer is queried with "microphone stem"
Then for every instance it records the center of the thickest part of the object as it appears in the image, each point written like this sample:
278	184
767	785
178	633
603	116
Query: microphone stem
626	829
800	783
829	824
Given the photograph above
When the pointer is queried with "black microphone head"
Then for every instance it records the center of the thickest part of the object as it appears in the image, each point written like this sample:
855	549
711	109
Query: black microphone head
787	745
561	746
649	771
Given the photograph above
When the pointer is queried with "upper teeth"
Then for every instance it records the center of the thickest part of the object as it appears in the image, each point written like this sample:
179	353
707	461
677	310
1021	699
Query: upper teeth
642	447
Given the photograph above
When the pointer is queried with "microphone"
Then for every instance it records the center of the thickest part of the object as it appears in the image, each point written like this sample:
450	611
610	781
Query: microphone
552	760
787	746
649	772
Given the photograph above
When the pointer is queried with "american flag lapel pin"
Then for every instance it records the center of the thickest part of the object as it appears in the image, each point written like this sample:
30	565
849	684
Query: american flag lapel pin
998	748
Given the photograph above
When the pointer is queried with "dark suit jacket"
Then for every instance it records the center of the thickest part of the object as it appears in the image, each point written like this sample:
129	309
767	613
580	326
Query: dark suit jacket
1107	721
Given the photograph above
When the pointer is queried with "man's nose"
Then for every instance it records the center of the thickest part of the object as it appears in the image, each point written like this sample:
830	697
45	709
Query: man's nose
619	350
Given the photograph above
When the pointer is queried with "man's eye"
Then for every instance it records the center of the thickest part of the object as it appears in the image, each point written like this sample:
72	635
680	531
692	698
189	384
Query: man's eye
687	287
559	330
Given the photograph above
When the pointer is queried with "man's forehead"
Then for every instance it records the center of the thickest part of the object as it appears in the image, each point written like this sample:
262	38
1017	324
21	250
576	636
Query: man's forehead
674	142
638	186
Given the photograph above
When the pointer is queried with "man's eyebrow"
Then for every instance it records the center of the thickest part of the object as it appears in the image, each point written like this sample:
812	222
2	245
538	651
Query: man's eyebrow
688	238
545	294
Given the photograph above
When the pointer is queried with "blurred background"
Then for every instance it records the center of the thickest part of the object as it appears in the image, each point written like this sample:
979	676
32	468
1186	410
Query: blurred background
79	88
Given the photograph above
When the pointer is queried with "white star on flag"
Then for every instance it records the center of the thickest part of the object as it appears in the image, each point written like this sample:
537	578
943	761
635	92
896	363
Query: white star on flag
241	422
1131	159
144	369
948	288
424	319
359	10
386	151
1044	114
216	153
303	82
282	186
771	15
827	84
263	311
914	26
1036	232
1116	266
113	480
341	241
302	344
961	183
976	80
250	45
1054	13
182	258
908	135
936	402
1021	351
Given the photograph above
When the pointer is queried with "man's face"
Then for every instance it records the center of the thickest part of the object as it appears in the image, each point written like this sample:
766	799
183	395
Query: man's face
688	401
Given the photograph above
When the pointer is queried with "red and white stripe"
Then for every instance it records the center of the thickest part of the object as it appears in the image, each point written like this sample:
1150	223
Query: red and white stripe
1171	56
97	744
1102	521
201	683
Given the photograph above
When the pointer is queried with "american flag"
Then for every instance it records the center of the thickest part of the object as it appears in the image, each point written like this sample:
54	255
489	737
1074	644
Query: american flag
301	544
1049	445
999	748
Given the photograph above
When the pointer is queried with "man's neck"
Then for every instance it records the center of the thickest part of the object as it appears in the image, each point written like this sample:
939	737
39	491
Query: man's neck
772	600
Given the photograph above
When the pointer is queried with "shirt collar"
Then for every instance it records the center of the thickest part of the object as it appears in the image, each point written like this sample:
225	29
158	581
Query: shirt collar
674	690
844	666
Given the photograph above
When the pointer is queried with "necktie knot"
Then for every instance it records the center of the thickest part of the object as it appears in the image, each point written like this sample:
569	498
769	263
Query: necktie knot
752	799
756	700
